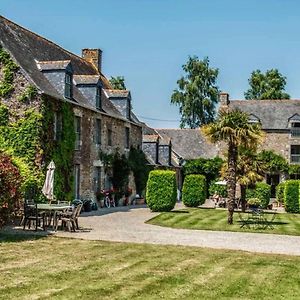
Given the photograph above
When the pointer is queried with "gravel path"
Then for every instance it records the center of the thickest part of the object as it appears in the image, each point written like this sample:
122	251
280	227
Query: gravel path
127	224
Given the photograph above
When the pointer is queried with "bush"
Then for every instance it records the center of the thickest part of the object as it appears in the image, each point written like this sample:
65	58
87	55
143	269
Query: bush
10	187
262	191
161	190
254	201
219	188
280	192
291	196
194	190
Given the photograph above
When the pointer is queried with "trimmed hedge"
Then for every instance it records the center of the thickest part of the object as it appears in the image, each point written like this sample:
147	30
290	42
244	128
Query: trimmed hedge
291	196
262	191
280	192
161	190
219	188
194	190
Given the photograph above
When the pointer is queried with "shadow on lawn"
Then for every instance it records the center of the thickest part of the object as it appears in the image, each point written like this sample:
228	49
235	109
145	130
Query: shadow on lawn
19	237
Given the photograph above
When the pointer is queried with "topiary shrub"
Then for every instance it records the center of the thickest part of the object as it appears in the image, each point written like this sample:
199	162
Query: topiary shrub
280	192
291	196
161	190
219	188
194	190
262	191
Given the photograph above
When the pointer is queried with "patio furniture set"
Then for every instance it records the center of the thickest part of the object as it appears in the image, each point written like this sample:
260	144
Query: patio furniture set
50	215
257	218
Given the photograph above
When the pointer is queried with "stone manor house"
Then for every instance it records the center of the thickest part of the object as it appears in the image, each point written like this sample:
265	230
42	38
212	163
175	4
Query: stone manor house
103	117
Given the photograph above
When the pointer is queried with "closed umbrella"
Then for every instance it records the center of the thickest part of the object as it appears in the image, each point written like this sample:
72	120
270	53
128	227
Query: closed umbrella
49	182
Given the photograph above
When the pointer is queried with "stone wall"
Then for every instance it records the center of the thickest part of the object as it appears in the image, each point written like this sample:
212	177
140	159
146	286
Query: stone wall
89	155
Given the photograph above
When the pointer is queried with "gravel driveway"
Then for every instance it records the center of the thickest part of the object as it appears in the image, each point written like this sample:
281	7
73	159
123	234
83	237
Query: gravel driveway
127	224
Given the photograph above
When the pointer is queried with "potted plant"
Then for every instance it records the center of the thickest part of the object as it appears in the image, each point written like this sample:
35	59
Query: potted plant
253	202
100	198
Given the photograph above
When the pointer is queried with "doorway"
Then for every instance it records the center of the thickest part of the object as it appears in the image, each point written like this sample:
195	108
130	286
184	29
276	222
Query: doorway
273	180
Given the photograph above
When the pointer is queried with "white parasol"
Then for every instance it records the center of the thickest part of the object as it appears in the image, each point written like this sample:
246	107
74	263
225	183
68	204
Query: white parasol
49	182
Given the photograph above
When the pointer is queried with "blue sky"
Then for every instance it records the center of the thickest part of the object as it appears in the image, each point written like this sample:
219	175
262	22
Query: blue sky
147	41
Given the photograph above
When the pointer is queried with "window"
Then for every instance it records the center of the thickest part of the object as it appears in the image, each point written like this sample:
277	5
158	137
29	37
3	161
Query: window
295	129
57	126
295	153
68	86
98	98
109	136
97	180
127	138
97	135
77	181
77	133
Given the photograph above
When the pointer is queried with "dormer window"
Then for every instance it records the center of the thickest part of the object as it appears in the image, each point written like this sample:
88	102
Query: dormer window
253	119
68	86
98	98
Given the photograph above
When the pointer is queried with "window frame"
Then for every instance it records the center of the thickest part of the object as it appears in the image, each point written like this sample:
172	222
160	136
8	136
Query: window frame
294	155
68	85
77	125
127	138
98	130
98	98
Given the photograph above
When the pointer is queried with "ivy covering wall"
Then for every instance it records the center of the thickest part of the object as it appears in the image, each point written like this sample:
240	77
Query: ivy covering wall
29	139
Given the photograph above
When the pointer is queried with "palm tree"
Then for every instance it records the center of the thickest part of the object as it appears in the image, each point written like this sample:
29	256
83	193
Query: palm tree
249	170
233	128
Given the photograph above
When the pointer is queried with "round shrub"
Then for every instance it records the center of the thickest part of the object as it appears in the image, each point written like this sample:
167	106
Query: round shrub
194	190
161	190
262	191
291	196
219	188
280	192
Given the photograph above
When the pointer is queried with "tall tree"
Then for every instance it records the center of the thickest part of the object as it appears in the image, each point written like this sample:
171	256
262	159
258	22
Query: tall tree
270	85
118	83
249	170
233	128
197	93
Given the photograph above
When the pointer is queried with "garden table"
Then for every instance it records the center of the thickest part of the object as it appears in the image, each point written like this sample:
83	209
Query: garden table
52	209
258	218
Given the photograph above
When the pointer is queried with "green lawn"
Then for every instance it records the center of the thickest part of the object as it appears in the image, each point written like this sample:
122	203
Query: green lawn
57	268
216	219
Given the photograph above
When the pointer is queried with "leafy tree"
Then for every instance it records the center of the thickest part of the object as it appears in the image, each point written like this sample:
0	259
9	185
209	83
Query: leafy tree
274	163
233	128
118	83
197	93
270	85
138	165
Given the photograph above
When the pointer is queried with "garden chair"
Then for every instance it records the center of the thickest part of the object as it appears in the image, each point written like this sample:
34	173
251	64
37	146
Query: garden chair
70	219
31	214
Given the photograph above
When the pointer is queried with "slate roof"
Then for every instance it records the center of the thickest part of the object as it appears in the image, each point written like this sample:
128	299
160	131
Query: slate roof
117	93
150	138
86	79
53	65
189	143
273	114
29	49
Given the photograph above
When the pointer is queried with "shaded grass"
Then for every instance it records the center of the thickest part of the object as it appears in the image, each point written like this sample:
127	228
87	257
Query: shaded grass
216	219
57	268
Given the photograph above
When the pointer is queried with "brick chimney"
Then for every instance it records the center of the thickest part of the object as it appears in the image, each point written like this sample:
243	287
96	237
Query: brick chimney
224	99
93	56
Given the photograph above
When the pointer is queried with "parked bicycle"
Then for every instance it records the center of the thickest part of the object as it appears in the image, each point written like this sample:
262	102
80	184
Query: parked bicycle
109	199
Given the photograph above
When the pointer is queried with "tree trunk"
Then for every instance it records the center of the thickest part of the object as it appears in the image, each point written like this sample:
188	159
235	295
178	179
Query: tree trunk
243	197
231	180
